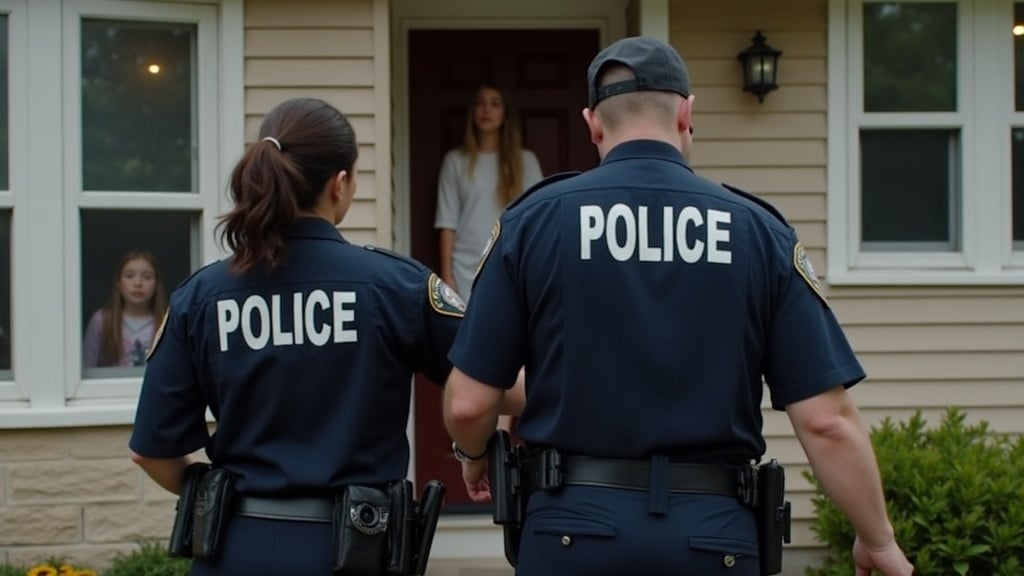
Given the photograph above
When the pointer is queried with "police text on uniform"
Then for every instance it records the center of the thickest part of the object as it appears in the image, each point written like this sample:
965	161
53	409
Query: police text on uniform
595	223
271	328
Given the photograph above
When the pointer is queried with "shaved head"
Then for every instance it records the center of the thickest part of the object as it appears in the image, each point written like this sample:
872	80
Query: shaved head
658	106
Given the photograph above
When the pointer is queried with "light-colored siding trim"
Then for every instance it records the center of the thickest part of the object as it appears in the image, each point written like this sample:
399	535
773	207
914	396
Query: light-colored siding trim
339	52
923	347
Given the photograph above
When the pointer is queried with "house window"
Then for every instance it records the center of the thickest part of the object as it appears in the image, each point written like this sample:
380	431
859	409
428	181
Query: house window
120	122
925	187
143	170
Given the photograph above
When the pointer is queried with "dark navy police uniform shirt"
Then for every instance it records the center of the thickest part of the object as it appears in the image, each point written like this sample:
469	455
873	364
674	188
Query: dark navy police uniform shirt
647	303
307	370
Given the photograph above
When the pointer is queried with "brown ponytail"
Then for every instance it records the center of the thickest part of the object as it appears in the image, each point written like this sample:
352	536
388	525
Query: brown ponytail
272	186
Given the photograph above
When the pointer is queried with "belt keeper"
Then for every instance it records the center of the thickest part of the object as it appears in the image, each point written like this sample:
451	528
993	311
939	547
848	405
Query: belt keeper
658	485
551	476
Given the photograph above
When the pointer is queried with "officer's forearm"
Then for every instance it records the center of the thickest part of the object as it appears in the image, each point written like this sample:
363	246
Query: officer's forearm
840	453
470	411
169	473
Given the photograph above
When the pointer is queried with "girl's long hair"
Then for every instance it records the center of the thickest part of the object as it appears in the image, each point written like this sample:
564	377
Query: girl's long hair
510	148
302	143
113	312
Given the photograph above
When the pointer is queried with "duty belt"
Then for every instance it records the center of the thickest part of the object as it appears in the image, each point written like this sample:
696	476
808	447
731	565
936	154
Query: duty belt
295	509
549	470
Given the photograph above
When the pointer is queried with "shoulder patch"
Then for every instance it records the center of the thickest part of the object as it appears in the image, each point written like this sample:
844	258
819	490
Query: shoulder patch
549	180
443	299
760	201
158	334
491	241
803	266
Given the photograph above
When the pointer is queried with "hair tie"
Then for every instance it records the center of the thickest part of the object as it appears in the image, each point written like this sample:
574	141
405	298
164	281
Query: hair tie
275	141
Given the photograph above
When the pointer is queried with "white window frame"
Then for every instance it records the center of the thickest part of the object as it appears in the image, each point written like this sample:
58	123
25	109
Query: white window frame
203	201
48	389
13	199
984	92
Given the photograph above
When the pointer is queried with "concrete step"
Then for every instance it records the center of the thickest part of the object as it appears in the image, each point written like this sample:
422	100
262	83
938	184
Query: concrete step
470	567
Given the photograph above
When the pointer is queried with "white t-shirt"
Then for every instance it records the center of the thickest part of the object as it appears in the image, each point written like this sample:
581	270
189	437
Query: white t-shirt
469	205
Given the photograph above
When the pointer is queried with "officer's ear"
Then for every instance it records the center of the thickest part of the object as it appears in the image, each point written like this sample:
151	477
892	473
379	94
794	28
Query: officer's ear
684	115
338	185
594	125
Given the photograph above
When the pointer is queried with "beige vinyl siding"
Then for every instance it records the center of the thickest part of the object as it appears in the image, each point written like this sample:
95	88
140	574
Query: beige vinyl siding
923	348
337	51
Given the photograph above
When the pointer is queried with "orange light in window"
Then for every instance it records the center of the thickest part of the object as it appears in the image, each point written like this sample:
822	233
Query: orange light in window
1018	30
155	68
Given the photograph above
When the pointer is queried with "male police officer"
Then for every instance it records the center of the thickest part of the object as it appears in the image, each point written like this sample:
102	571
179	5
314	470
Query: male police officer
647	303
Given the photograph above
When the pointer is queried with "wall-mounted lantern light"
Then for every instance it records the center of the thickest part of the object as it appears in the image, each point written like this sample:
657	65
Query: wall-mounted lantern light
760	67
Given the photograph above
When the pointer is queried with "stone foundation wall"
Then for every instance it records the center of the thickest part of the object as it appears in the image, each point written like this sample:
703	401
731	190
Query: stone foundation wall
75	494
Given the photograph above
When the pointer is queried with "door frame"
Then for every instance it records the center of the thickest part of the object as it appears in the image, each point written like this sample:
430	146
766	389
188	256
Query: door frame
606	27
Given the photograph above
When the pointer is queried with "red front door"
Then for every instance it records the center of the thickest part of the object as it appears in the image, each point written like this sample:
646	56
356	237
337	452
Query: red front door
544	73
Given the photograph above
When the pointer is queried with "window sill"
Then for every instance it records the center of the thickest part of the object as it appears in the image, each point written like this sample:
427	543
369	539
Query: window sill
23	417
924	278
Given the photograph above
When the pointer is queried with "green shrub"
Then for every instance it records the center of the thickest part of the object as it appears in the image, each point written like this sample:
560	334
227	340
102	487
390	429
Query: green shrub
8	570
151	559
955	494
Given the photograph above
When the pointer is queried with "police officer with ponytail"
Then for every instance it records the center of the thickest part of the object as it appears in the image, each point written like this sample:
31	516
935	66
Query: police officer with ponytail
302	346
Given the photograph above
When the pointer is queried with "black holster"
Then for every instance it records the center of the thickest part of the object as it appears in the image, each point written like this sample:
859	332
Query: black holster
508	492
773	515
214	504
180	544
385	531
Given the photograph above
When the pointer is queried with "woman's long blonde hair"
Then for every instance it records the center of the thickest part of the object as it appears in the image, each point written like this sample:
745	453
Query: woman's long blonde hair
510	148
113	312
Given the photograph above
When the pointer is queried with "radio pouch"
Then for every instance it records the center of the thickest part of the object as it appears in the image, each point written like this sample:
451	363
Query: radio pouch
180	544
361	518
214	499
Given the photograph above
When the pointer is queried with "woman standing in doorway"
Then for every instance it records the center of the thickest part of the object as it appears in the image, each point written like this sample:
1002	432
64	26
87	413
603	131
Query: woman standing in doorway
477	181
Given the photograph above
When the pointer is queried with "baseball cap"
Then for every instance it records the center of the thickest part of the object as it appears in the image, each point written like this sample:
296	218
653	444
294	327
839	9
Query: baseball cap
657	66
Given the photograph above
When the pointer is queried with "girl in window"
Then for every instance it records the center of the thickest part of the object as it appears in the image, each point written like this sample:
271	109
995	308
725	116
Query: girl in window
120	333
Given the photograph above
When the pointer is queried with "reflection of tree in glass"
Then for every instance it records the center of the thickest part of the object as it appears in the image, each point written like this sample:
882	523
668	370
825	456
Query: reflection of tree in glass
910	56
137	125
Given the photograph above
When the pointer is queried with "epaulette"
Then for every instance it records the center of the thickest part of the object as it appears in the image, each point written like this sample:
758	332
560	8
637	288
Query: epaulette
549	180
759	201
197	271
393	254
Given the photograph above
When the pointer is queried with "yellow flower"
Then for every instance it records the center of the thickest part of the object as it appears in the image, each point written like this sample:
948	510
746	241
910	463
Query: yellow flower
66	570
42	570
85	572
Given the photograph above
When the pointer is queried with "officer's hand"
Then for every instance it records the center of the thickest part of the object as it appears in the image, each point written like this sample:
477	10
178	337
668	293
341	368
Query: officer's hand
474	474
888	560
